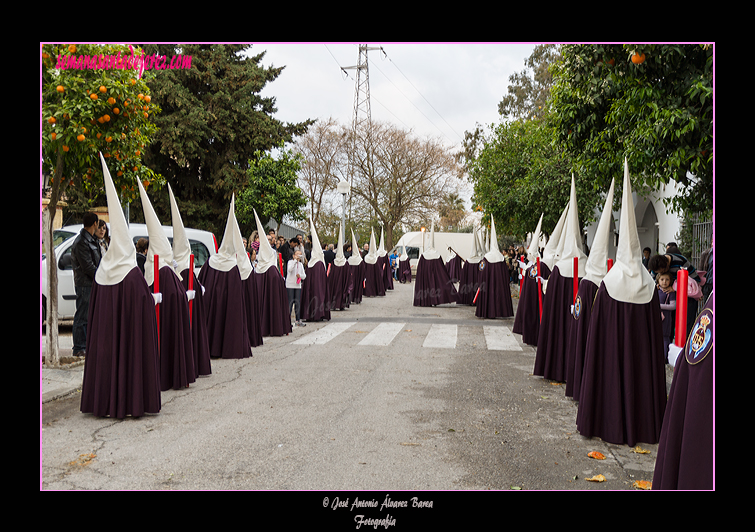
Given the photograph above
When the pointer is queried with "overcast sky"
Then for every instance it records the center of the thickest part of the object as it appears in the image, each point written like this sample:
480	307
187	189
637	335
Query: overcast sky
435	89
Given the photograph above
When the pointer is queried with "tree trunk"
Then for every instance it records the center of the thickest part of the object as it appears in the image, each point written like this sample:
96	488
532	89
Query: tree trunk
52	349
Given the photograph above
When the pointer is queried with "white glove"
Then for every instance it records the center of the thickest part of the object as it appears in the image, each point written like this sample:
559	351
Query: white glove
190	294
158	297
673	353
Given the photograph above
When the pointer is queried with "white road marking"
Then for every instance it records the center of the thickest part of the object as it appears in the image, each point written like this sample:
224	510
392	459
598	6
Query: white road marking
500	338
383	334
324	335
441	335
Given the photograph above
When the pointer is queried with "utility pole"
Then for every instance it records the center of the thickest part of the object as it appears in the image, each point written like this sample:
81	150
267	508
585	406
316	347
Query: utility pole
362	113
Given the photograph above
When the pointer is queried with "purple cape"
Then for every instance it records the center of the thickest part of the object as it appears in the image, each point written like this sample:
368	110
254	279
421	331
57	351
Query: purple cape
622	397
122	368
494	299
338	286
226	313
469	281
374	284
575	346
315	302
550	360
685	449
387	272
252	311
356	283
274	309
176	347
454	267
198	321
433	286
527	320
404	271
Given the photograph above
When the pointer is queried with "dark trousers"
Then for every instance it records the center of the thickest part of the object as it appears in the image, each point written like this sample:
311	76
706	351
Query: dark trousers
80	318
294	298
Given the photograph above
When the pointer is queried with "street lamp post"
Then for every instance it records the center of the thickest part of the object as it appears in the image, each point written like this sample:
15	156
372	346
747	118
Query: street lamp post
343	189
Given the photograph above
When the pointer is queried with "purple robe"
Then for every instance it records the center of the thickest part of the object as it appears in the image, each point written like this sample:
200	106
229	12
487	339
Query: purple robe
469	281
226	313
315	295
494	299
433	286
275	313
550	359
122	367
404	271
374	284
253	311
338	286
387	272
575	347
685	457
454	267
356	282
527	320
176	347
198	321
622	396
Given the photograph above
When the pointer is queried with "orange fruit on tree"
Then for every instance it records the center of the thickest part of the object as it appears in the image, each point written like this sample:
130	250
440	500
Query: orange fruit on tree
109	139
141	96
93	96
72	49
54	136
638	59
111	100
106	118
103	88
60	88
116	110
80	138
147	99
65	148
51	120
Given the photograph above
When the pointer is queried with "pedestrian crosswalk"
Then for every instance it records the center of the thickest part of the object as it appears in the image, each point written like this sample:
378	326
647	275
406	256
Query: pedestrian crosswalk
436	336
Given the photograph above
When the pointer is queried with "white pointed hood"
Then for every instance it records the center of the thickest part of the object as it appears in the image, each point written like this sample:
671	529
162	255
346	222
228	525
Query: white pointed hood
181	246
340	259
404	256
475	254
316	254
225	259
493	255
120	257
572	245
158	242
371	257
430	253
628	280
242	259
596	266
532	251
266	255
381	248
356	258
551	248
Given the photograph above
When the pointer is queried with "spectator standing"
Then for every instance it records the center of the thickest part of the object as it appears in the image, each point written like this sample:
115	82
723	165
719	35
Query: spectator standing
668	309
295	274
85	258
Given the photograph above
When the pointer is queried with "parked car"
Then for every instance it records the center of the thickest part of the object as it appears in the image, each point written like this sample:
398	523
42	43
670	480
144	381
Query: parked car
203	246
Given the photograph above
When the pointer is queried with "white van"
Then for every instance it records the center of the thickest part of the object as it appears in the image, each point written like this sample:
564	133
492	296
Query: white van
203	246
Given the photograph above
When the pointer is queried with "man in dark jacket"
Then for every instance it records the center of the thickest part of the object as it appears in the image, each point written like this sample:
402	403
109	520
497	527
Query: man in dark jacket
85	258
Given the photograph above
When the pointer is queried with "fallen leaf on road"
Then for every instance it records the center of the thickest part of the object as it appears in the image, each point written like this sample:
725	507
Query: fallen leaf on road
597	478
409	443
83	460
597	455
640	450
642	484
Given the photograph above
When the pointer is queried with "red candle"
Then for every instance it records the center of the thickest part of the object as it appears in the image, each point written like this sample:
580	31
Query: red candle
191	283
575	274
156	286
680	335
539	290
610	264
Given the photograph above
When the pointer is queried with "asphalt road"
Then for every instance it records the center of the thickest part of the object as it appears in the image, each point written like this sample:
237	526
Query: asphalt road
448	403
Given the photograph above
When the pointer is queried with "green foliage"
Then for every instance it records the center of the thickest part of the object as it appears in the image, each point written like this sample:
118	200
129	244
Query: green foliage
113	122
271	189
657	113
213	123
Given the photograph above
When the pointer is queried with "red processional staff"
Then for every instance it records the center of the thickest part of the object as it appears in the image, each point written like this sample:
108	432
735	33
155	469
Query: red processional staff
157	291
191	284
680	335
539	290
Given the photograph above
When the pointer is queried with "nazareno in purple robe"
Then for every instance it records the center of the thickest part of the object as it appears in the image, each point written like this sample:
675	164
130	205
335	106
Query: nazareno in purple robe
122	367
622	397
226	314
315	302
454	266
433	286
374	285
404	271
356	282
469	281
338	286
387	272
253	311
685	450
575	346
198	322
274	310
176	346
527	320
494	299
550	359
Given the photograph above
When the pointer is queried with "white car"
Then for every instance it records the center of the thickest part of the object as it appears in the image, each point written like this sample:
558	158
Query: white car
203	246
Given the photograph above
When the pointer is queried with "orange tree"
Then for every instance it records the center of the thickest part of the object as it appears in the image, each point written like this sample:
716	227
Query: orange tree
91	103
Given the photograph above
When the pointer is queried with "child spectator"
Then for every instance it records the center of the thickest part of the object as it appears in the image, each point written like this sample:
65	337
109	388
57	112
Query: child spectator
668	309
